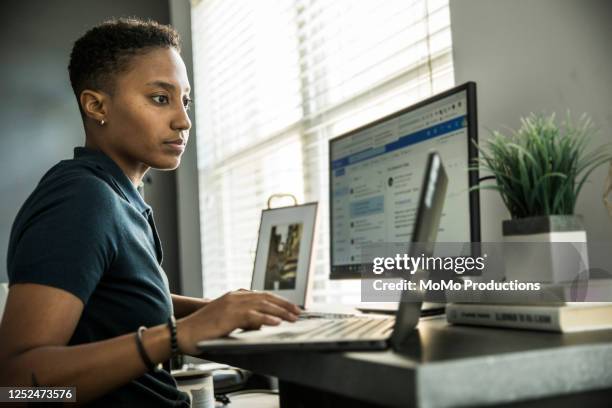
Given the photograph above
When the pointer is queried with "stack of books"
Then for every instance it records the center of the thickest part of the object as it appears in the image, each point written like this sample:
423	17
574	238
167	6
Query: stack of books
554	308
563	318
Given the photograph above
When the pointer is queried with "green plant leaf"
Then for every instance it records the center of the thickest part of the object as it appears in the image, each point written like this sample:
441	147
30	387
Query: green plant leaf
540	168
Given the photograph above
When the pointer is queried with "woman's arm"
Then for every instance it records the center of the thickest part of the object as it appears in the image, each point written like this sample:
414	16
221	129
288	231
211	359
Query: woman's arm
39	321
185	305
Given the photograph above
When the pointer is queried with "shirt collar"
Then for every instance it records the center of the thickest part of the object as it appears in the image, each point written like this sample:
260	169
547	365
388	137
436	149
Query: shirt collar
99	158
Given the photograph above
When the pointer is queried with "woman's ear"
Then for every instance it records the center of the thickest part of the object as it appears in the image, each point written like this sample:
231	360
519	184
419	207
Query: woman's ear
94	105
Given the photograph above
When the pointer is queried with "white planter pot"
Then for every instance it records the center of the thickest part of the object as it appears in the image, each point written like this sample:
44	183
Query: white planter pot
547	249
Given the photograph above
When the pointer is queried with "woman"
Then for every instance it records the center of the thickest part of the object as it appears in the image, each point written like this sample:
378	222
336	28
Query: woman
89	305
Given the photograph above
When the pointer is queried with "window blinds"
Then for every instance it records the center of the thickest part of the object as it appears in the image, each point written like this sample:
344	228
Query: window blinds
274	81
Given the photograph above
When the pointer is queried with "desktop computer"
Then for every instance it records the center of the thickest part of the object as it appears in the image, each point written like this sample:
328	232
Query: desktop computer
376	170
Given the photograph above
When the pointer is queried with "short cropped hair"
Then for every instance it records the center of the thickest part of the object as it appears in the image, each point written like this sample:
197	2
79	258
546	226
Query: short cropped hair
106	49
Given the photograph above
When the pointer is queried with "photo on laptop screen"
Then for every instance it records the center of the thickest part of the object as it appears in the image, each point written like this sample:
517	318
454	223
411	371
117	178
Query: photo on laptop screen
283	256
284	249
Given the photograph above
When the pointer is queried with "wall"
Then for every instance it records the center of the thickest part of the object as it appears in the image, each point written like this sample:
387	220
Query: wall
533	56
187	187
39	115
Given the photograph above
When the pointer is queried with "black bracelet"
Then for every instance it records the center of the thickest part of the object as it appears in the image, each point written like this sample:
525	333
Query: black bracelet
173	337
143	353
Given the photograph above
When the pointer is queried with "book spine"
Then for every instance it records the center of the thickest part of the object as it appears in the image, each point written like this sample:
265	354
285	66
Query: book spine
519	317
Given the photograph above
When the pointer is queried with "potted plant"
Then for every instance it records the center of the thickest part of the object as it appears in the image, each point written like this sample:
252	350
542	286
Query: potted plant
539	171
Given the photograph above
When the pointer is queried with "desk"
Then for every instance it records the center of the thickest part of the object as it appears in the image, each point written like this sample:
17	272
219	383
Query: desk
448	366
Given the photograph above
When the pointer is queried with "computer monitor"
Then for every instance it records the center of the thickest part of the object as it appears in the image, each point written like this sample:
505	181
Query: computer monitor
376	172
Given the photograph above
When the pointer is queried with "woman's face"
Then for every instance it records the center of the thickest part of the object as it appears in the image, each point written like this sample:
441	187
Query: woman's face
147	122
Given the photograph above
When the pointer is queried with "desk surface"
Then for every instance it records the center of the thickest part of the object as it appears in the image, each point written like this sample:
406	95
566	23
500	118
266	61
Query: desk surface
447	366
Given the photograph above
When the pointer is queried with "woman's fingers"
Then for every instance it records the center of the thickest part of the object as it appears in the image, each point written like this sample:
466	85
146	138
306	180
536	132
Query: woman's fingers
257	319
281	302
264	306
251	310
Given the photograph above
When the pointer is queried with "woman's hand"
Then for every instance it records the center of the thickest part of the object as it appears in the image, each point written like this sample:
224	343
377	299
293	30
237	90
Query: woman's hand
234	310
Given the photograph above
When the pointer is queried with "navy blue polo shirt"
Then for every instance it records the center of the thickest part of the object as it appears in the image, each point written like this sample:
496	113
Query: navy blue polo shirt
86	229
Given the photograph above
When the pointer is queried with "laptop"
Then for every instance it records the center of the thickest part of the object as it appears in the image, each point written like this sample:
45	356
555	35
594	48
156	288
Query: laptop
359	332
287	274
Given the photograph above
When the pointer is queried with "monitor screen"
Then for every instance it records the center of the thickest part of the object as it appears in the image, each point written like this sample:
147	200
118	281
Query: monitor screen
376	173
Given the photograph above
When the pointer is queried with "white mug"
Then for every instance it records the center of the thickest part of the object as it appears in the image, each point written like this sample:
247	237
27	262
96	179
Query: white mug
204	395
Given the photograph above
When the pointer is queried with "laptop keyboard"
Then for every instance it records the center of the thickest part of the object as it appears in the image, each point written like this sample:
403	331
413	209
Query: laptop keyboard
324	315
349	328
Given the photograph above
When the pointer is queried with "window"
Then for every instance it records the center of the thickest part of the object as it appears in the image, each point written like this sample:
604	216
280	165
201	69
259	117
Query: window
274	81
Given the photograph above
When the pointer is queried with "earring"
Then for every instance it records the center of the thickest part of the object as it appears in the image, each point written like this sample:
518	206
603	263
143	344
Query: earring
102	122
